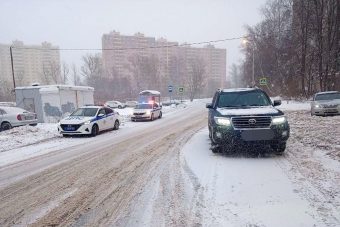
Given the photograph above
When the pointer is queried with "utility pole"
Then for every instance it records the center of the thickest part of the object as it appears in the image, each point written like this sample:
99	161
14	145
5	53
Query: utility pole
11	53
253	44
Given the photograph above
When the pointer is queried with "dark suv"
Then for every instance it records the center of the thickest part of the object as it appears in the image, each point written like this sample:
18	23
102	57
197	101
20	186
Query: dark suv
246	116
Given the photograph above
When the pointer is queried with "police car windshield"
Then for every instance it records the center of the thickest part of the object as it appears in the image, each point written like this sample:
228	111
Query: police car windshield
242	99
144	106
329	96
85	112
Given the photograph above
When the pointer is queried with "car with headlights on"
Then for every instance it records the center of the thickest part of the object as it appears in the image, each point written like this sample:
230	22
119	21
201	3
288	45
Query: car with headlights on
13	116
147	111
246	117
326	103
89	120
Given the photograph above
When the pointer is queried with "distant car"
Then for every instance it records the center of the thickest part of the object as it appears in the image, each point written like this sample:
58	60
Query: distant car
244	117
147	111
13	116
326	103
114	104
131	103
89	120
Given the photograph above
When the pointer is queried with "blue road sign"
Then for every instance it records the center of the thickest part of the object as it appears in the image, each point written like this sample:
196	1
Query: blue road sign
170	88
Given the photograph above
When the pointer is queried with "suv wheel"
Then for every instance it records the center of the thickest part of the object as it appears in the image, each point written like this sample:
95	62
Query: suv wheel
279	148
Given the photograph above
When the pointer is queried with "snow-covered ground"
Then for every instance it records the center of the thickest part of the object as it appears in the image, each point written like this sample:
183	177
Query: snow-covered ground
29	141
300	188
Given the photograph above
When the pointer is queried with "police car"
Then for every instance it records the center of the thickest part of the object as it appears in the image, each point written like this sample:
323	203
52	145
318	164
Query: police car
89	120
147	111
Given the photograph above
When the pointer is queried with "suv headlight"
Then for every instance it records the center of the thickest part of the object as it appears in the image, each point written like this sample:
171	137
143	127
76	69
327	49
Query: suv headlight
317	106
279	120
222	121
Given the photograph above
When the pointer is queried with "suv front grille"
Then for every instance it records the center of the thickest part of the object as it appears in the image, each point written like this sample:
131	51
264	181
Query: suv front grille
251	122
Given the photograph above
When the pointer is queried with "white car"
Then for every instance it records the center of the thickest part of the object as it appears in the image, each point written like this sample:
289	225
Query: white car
114	104
326	103
146	111
13	116
131	103
89	120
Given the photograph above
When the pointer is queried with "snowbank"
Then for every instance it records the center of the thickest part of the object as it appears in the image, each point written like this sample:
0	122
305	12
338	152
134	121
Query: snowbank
27	135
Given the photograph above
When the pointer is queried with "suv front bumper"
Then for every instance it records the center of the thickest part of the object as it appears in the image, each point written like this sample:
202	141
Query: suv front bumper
227	135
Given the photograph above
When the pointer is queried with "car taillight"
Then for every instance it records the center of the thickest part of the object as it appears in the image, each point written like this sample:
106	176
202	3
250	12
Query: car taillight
19	117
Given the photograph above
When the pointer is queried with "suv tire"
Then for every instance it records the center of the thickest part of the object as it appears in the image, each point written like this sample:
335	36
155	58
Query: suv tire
279	148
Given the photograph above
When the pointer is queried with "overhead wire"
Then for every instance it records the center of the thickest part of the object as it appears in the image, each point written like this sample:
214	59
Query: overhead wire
132	48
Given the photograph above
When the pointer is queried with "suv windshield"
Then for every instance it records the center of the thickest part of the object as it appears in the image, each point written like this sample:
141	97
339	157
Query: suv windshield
85	112
144	106
241	99
329	96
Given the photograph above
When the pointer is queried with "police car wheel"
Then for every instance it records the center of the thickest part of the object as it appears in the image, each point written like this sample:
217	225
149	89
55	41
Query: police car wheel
116	126
151	119
160	115
94	130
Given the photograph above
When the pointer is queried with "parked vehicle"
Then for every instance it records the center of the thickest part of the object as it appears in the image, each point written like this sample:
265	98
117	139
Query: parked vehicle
89	120
131	103
114	104
146	111
246	116
326	103
13	116
149	106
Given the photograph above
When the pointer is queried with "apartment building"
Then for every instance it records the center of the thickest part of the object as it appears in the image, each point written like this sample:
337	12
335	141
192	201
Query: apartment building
173	59
32	63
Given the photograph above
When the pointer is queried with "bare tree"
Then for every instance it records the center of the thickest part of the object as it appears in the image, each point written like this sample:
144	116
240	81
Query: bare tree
92	67
65	73
75	75
195	79
51	72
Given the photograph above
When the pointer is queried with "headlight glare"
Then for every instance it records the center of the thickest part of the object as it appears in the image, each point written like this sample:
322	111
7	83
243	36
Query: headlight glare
222	121
87	122
279	120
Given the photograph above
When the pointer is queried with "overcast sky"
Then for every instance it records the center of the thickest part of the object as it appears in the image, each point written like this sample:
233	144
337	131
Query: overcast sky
81	23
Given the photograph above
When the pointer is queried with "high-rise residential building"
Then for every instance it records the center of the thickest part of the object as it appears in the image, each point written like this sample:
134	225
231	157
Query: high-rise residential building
32	63
173	61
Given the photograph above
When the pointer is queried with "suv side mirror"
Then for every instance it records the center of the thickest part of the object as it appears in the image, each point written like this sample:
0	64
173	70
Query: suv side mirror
209	106
277	102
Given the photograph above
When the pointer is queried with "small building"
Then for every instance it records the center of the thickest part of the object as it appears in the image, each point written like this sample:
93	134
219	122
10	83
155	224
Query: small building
53	102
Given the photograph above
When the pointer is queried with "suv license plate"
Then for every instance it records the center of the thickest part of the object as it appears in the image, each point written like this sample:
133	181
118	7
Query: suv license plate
257	134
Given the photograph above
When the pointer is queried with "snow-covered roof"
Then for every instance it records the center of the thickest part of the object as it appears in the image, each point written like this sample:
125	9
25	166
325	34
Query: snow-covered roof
150	92
238	89
52	88
327	92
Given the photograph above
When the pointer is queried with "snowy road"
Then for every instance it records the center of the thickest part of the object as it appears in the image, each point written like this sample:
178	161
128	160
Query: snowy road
162	173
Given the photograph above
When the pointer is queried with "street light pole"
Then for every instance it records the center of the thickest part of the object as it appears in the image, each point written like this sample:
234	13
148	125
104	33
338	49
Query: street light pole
252	43
11	53
253	64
